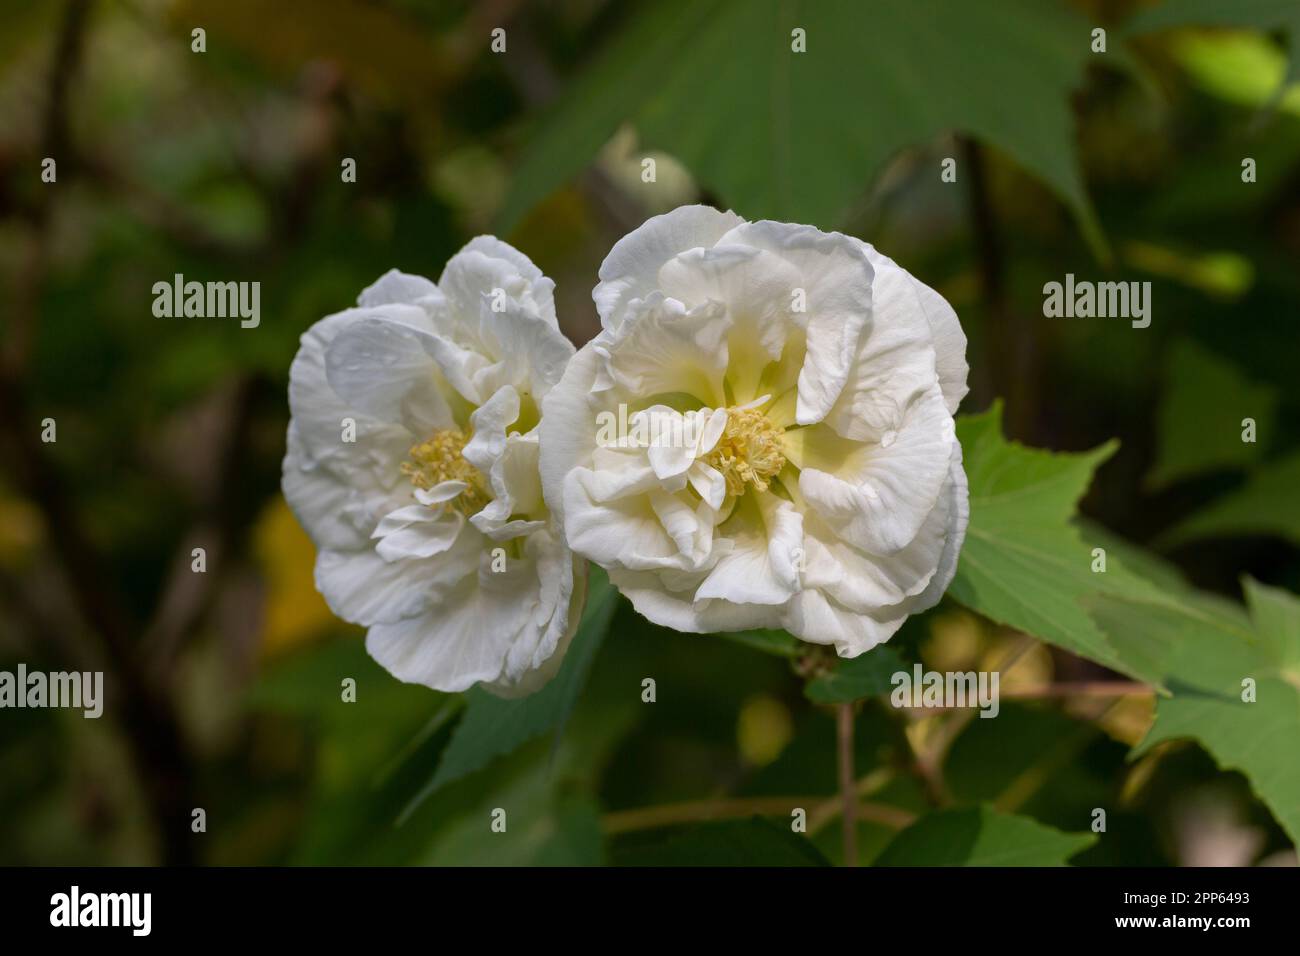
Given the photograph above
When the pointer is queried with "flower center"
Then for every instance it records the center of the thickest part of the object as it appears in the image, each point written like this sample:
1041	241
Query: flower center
749	451
439	459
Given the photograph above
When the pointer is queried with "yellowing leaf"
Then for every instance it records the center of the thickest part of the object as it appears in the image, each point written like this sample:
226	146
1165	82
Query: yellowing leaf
294	610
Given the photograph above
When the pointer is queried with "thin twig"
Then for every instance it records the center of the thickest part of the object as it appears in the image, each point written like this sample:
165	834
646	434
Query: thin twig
152	732
703	811
1062	689
186	595
848	788
1095	688
868	785
64	66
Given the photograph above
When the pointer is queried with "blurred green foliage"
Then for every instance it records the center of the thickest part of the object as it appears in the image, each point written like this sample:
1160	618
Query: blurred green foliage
1123	166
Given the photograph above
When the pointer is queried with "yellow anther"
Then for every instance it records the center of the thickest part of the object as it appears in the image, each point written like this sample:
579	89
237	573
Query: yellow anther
749	451
440	459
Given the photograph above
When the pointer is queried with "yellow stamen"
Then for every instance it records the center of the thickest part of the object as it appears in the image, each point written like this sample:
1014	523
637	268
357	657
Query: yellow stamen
439	459
749	451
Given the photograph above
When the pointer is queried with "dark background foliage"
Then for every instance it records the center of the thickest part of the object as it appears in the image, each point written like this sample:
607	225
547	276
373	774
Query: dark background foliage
225	164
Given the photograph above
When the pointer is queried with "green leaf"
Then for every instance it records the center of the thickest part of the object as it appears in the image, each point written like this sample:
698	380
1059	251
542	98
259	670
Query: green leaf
1199	423
1246	69
1024	564
755	842
544	827
547	787
1267	504
1260	14
788	148
362	772
1145	564
492	726
1209	656
1277	621
864	676
980	836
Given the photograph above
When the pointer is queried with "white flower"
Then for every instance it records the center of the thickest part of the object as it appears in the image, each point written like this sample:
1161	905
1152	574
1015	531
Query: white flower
429	520
816	484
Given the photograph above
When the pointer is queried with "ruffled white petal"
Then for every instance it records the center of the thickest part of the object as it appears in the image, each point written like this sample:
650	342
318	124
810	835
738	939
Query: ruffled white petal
812	616
337	488
894	365
378	366
416	531
761	567
364	588
656	529
946	335
878	499
506	630
654	599
570	428
669	348
837	285
957	493
334	514
631	270
394	287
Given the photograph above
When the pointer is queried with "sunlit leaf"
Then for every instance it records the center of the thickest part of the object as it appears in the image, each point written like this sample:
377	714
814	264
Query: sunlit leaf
1259	14
1209	664
1024	563
1243	68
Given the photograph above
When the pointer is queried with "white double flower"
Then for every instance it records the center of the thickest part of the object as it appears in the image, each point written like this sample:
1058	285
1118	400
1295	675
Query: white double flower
412	463
820	489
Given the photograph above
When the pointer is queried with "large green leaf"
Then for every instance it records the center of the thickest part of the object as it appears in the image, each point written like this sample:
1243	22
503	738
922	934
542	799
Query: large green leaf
1209	657
1199	425
493	726
1024	563
1276	615
980	836
801	136
1267	504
